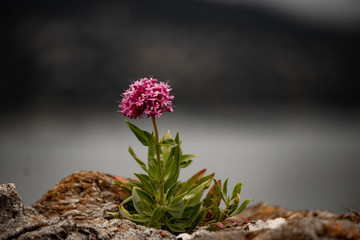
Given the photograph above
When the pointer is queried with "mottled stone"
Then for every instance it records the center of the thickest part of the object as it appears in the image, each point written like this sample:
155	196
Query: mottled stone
76	209
82	195
11	205
298	225
15	218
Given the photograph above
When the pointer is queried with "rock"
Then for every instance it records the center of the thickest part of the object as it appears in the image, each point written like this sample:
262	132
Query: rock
314	228
15	218
11	206
200	232
109	229
270	222
76	209
82	196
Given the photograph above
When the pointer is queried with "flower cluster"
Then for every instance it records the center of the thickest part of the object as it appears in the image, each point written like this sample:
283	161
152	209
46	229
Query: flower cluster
146	96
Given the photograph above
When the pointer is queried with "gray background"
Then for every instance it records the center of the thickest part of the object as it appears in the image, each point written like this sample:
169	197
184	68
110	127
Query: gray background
264	93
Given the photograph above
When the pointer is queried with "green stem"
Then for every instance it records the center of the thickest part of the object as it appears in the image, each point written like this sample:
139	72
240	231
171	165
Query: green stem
157	148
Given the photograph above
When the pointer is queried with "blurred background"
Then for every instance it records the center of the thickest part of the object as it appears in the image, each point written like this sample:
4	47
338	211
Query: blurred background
265	92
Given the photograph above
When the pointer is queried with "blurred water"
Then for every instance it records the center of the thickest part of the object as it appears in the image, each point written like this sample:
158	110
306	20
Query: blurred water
296	159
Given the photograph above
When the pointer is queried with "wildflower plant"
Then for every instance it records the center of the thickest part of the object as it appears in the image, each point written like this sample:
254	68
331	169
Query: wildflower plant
159	199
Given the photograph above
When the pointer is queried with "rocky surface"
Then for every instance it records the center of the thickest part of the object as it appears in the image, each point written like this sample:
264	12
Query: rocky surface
81	196
76	209
292	225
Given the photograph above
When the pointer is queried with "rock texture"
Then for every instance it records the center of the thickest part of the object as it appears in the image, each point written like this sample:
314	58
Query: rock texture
15	218
76	209
81	196
10	203
297	225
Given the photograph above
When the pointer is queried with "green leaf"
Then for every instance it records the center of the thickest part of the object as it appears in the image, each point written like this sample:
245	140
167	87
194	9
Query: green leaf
173	175
225	188
237	189
153	169
176	210
142	201
212	195
242	207
168	166
219	191
178	198
144	137
184	164
206	179
175	228
166	149
129	199
124	187
141	163
156	216
151	151
170	153
217	211
124	212
145	180
139	219
137	202
199	219
195	195
172	190
168	141
131	185
192	181
186	160
195	213
168	134
113	215
234	203
194	192
191	213
128	186
187	157
181	223
177	138
146	199
118	183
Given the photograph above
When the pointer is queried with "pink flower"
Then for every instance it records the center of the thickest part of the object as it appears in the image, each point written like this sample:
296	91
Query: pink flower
146	96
